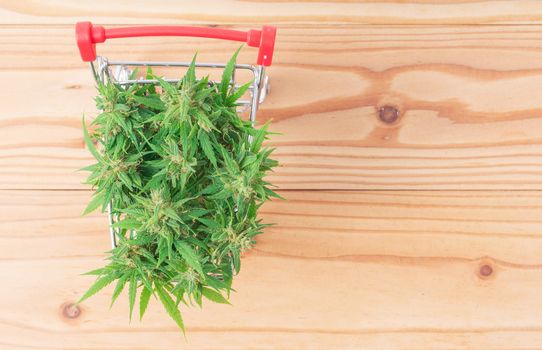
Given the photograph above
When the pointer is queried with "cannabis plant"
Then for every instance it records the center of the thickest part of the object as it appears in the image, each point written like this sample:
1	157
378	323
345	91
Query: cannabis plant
183	175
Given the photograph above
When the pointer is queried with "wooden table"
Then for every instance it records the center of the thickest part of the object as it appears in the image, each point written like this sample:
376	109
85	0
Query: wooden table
411	154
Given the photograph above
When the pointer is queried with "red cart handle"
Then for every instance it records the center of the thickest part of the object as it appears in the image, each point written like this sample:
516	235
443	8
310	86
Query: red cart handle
88	36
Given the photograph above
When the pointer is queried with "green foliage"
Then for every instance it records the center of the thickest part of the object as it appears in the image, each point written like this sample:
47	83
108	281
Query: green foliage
214	296
100	284
184	183
144	300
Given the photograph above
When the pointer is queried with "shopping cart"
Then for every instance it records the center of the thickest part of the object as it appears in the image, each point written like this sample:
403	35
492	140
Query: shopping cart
120	72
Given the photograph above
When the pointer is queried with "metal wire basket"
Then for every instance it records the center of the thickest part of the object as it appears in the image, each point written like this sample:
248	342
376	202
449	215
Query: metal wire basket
119	71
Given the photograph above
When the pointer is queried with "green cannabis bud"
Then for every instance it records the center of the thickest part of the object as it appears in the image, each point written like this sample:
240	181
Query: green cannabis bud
184	176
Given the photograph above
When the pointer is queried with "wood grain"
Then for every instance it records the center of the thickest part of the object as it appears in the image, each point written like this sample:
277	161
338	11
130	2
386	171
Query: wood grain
429	111
468	102
341	270
389	12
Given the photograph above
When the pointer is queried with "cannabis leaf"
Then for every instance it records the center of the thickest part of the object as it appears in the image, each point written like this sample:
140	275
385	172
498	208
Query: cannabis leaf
214	296
227	75
100	284
132	293
170	306
118	289
144	300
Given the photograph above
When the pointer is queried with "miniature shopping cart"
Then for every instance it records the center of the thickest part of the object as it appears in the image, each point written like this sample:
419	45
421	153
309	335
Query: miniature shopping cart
120	72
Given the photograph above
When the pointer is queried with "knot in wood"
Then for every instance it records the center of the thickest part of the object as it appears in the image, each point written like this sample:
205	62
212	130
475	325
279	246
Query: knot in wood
71	311
388	114
485	271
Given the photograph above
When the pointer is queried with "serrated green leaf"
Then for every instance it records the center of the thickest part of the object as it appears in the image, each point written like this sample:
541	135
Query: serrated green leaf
150	101
237	94
214	296
205	144
128	224
144	301
98	199
132	292
259	138
190	76
89	143
91	168
100	284
169	88
169	305
227	75
96	272
189	256
118	289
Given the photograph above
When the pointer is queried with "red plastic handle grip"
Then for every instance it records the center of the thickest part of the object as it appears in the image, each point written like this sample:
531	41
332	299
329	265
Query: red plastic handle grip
88	36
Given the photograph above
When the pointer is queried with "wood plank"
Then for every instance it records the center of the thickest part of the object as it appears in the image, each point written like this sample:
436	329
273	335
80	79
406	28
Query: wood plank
404	223
468	105
387	12
378	269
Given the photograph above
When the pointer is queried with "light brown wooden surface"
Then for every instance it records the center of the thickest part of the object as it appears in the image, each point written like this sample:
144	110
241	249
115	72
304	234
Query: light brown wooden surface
427	234
389	12
340	270
468	99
